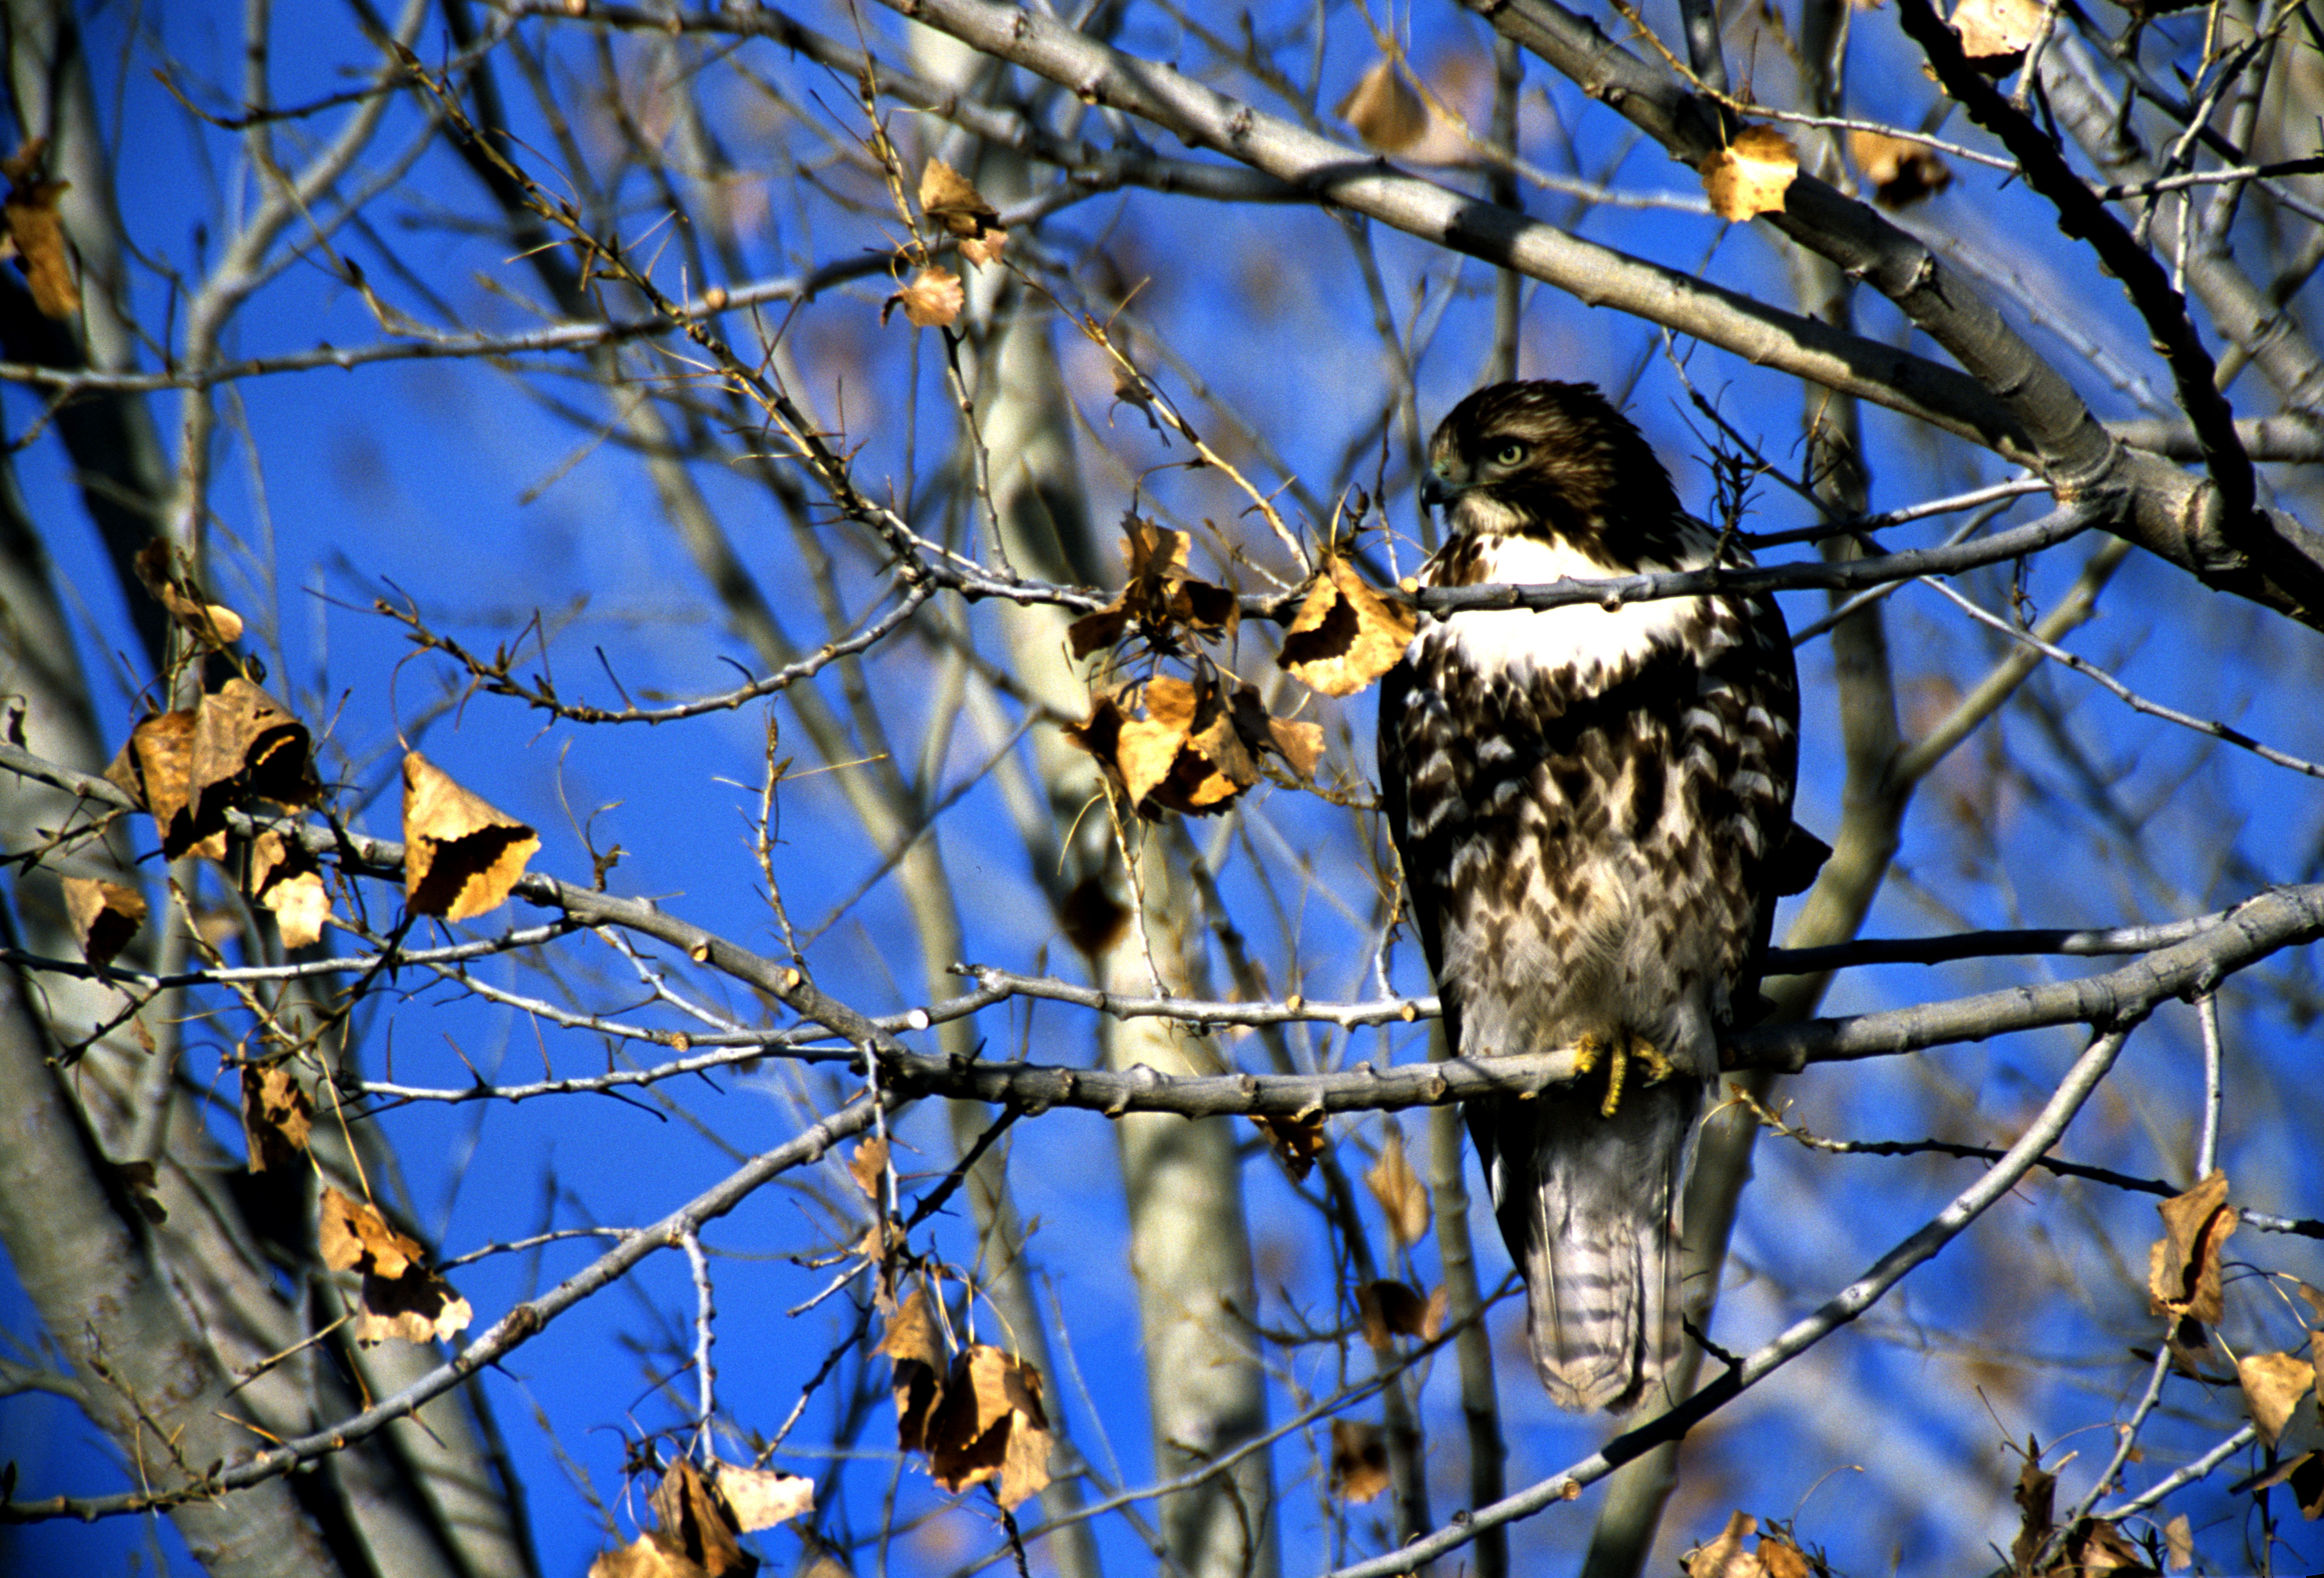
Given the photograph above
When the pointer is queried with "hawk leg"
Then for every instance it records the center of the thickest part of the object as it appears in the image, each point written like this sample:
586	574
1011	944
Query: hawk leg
1616	1051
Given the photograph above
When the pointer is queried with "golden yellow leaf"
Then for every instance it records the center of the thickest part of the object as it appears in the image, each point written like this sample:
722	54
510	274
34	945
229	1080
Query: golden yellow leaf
1725	1557
1296	1141
401	1297
910	1342
1751	174
286	879
2179	1541
990	1424
460	855
697	1527
954	204
1346	635
105	916
868	1165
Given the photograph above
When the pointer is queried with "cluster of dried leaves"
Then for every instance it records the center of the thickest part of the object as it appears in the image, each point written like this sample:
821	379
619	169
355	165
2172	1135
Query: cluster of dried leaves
951	205
1194	746
1775	1556
977	1416
697	1522
31	233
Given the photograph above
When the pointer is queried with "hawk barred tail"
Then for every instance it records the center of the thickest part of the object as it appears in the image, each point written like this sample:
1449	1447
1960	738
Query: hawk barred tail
1594	810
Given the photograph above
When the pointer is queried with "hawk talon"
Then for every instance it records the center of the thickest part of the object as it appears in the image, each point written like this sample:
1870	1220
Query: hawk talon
1621	1048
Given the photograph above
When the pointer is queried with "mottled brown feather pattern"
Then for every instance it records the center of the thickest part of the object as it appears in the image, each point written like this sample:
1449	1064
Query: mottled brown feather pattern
1587	802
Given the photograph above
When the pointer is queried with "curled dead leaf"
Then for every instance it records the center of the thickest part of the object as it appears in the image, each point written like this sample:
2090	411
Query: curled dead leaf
287	880
910	1343
276	1115
2273	1384
990	1424
1751	174
1403	1197
460	855
401	1297
932	301
1384	109
696	1526
762	1498
1390	1309
105	916
1995	34
1901	172
34	230
2183	1266
954	205
1359	1460
868	1165
1346	634
1296	1142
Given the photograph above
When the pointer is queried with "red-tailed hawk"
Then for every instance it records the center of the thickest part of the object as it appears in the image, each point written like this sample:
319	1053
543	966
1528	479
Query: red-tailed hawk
1594	810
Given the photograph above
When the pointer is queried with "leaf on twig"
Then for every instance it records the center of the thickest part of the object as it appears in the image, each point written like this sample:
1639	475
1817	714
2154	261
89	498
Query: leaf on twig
762	1498
460	855
287	880
400	1297
932	301
1296	1142
1403	1197
1901	172
105	916
1751	174
911	1346
161	569
2273	1384
34	232
1159	597
1995	34
952	203
867	1164
2182	1267
276	1115
1346	634
1359	1460
1384	109
990	1424
1390	1309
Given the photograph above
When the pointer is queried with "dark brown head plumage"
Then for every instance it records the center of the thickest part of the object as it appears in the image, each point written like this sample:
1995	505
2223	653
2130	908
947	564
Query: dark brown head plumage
1554	457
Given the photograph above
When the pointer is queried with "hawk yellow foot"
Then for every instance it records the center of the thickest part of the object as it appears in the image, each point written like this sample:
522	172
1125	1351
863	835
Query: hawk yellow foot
1616	1052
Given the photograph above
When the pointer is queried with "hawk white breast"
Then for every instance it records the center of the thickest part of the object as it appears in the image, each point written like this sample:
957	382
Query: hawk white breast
1593	810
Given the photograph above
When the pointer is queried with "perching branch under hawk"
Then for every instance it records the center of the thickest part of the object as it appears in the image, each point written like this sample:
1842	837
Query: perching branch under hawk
1593	806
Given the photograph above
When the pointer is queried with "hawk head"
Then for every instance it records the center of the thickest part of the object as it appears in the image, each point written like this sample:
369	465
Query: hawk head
1555	461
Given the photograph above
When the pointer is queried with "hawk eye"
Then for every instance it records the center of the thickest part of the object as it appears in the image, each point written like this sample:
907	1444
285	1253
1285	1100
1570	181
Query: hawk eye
1509	453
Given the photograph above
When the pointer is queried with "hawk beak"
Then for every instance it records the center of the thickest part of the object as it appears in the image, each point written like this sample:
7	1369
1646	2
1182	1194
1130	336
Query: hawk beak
1436	493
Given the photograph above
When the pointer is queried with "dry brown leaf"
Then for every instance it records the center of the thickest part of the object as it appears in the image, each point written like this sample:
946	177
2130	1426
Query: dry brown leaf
1403	1197
1724	1557
2036	1496
105	916
401	1297
1296	1141
868	1165
2182	1275
246	746
932	301
1440	1307
763	1498
460	855
158	759
1995	34
2179	1541
1384	109
1780	1558
162	571
642	1558
954	204
35	232
1159	596
910	1342
1359	1460
1346	634
695	1526
2273	1384
276	1115
286	879
1187	754
1751	174
990	1424
1901	172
